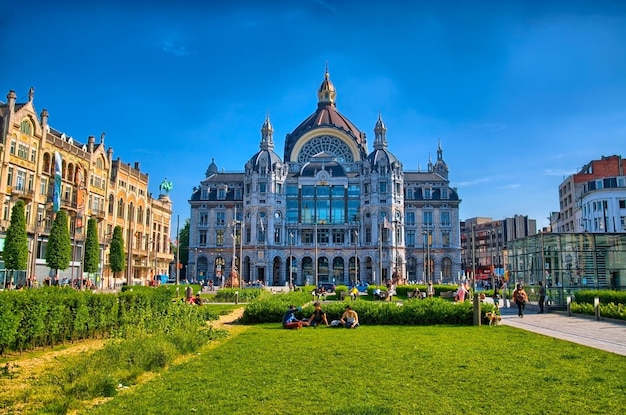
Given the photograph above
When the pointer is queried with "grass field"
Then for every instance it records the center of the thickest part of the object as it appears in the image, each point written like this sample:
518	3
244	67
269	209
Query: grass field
384	370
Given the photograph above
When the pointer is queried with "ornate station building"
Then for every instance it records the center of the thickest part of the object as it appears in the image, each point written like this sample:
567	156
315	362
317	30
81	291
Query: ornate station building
330	210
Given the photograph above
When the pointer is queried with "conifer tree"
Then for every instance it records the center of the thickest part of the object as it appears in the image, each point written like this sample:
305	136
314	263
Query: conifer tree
16	243
92	249
59	252
116	251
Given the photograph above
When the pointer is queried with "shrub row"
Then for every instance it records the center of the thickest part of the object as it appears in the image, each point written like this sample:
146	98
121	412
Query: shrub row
606	296
51	315
410	312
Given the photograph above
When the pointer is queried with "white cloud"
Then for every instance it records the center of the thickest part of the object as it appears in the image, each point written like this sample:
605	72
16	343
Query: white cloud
176	50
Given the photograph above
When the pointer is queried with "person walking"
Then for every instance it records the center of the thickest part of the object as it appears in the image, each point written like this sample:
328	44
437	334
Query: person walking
520	297
542	296
430	290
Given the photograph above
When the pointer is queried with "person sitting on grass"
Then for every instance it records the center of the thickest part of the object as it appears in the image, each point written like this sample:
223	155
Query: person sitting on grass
349	319
290	321
318	317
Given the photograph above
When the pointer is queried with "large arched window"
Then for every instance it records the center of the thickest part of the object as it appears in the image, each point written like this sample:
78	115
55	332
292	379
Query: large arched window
46	163
338	268
26	127
140	214
111	204
328	144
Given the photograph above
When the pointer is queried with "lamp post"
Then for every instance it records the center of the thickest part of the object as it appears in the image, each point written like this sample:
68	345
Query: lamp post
427	263
473	257
290	260
491	233
356	258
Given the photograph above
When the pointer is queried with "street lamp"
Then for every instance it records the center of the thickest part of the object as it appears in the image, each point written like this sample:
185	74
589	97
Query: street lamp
427	264
473	257
290	260
356	258
491	233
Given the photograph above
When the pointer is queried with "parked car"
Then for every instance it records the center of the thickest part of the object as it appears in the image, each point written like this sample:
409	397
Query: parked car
328	286
362	287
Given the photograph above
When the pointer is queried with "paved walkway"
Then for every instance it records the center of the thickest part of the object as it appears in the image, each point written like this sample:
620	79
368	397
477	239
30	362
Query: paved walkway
605	335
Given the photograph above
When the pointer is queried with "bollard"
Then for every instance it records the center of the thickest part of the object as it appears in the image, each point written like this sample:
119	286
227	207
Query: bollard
477	321
596	307
569	305
236	297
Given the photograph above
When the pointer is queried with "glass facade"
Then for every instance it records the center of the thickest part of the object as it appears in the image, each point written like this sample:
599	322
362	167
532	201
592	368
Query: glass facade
569	261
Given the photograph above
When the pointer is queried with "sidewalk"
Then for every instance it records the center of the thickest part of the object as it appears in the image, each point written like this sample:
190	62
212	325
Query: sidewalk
605	335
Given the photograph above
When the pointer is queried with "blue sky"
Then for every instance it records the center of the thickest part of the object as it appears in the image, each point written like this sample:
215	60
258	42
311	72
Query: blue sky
521	94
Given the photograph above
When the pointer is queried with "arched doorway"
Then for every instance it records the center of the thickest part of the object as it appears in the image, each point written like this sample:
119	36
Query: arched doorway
276	271
202	267
308	273
338	271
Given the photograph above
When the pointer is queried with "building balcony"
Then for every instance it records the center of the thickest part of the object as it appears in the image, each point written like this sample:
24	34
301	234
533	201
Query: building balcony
22	193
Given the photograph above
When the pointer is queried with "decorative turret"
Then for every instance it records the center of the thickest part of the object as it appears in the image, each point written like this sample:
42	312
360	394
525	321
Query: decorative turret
267	134
327	93
441	168
380	134
212	168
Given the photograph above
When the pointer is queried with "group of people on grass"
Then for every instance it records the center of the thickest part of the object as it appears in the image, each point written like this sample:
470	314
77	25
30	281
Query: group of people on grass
349	319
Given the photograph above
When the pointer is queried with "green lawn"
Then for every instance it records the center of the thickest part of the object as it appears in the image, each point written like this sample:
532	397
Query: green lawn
385	370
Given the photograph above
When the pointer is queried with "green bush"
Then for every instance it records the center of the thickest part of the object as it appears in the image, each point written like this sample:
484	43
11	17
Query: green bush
605	296
410	312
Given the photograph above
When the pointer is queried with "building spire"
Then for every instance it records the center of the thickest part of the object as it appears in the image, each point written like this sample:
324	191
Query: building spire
267	134
326	94
380	133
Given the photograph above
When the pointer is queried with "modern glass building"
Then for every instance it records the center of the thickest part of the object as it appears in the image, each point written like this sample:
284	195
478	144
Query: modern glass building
567	262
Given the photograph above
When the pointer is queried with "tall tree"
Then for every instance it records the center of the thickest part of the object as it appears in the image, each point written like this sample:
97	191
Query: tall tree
116	251
59	252
92	248
183	243
16	242
183	249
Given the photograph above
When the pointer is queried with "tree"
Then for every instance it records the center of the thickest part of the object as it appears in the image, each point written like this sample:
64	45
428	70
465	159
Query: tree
59	252
182	250
92	249
16	242
116	251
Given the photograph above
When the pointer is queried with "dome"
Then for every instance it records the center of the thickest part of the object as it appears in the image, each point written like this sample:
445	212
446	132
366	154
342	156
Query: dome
326	115
264	160
212	169
382	157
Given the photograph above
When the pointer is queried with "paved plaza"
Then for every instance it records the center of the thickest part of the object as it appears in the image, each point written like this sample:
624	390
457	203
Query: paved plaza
607	335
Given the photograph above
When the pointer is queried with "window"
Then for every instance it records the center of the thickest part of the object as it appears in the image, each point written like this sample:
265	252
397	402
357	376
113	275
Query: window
366	188
338	236
26	127
120	208
427	193
220	218
204	218
221	194
33	155
445	238
445	218
279	188
322	236
43	186
10	176
262	187
20	183
219	237
410	238
22	151
444	193
202	238
383	187
205	194
428	218
12	146
307	236
410	218
409	194
277	235
622	204
368	235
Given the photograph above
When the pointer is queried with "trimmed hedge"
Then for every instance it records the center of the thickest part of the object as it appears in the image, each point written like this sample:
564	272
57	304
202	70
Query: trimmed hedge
612	303
52	315
410	312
